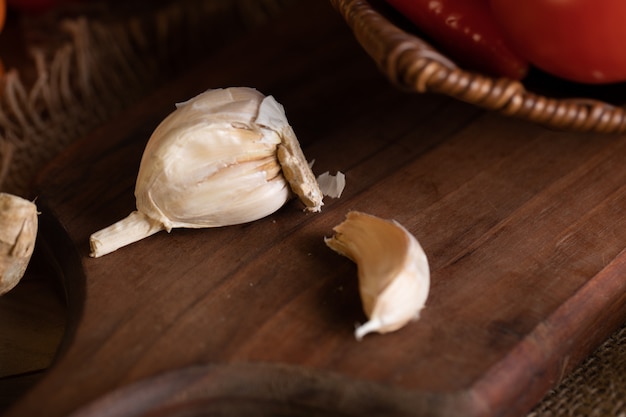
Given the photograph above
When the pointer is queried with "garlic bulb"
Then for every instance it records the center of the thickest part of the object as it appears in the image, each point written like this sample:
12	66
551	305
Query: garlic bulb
394	277
225	157
18	232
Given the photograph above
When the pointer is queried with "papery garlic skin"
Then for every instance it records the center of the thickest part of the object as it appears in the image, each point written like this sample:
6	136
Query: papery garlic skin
18	233
225	157
393	270
332	185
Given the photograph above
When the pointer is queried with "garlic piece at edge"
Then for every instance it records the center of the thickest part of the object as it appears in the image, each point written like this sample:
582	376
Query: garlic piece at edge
227	156
393	271
18	233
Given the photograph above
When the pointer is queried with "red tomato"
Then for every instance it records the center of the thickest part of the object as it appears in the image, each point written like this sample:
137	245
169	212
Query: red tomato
466	30
579	40
3	13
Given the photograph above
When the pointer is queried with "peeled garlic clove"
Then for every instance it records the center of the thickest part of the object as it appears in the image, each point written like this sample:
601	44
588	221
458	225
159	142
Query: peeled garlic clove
227	156
394	277
18	232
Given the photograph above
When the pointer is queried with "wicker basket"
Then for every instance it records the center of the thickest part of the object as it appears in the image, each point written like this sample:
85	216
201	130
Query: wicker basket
413	64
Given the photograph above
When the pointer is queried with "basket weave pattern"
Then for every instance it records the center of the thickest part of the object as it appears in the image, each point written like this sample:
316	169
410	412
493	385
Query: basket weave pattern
412	64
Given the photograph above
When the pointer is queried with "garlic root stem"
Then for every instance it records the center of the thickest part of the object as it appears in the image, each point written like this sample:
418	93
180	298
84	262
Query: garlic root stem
131	229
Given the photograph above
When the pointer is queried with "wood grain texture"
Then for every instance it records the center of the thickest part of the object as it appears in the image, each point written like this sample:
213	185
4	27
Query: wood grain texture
523	228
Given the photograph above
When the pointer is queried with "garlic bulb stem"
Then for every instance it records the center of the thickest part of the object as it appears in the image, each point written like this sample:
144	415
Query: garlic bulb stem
134	227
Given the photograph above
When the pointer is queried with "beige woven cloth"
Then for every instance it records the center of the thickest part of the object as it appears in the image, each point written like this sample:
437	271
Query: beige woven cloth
82	84
596	388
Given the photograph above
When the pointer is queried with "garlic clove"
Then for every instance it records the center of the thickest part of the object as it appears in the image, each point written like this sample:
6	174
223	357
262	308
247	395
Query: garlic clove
227	156
297	171
393	271
18	233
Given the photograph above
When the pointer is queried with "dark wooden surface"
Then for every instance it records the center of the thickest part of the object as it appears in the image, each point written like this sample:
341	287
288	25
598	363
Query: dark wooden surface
32	324
523	226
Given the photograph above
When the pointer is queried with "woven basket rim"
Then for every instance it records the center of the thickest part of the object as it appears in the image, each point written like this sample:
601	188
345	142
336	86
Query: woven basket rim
414	65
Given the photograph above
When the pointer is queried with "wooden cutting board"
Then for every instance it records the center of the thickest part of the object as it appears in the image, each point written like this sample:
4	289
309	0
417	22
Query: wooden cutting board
524	229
